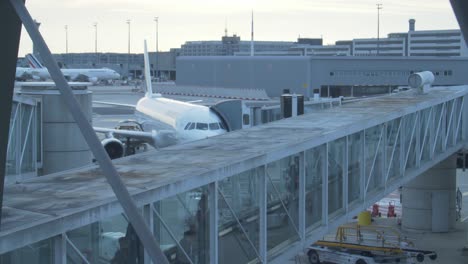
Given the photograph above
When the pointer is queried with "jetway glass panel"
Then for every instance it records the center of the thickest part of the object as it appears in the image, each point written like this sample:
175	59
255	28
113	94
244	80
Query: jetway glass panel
22	142
37	253
112	240
282	203
374	161
314	170
393	149
182	226
410	134
355	158
239	222
27	161
12	162
425	133
449	121
336	158
440	126
460	123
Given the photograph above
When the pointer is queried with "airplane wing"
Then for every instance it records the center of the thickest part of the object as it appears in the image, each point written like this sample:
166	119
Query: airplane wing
115	104
158	139
146	136
79	77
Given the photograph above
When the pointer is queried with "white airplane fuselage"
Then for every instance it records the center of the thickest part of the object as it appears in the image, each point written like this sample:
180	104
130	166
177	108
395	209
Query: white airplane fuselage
189	121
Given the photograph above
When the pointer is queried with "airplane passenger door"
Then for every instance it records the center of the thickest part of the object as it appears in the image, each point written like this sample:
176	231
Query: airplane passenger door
247	114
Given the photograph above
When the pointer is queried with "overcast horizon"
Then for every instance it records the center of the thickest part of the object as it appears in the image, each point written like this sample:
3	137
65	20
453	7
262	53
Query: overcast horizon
186	20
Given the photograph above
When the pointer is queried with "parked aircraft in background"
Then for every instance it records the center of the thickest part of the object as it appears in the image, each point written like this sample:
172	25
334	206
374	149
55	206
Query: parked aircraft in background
38	72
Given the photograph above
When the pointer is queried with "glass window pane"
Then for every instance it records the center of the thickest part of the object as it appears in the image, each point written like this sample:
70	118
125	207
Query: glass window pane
393	149
439	127
425	133
355	156
112	240
282	199
336	153
238	200
314	168
374	162
214	126
221	125
202	126
27	162
37	253
186	217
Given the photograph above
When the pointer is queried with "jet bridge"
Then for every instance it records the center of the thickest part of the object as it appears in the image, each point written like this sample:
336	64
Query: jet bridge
253	195
233	113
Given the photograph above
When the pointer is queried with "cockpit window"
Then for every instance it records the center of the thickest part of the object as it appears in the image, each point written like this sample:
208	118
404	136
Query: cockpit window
202	126
214	126
187	126
221	125
192	126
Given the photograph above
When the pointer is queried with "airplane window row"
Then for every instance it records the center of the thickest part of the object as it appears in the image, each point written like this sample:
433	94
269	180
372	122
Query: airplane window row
204	126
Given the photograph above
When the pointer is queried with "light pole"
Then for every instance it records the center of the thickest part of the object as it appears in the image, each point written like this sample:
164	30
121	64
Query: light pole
379	7
95	41
95	37
128	23
128	57
156	19
66	39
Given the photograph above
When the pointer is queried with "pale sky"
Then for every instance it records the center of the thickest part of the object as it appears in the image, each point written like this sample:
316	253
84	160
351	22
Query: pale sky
185	20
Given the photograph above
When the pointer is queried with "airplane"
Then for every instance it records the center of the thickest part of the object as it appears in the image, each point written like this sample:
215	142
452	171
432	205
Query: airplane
22	74
38	72
178	121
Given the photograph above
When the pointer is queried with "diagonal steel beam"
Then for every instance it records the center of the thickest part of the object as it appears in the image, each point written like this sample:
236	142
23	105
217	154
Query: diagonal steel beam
411	140
426	133
108	169
449	125
442	113
393	151
374	159
460	8
455	137
10	26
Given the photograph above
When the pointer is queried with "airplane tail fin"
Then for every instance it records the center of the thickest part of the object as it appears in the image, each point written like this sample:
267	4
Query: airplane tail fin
33	61
149	87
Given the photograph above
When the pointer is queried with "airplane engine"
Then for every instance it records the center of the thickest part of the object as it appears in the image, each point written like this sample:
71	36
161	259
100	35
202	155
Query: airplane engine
93	80
113	147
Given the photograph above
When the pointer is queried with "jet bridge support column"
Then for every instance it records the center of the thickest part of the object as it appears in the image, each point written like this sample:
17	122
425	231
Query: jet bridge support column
63	145
429	200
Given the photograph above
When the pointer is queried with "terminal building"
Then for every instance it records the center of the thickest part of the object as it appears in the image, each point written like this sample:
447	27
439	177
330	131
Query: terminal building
423	43
444	43
329	76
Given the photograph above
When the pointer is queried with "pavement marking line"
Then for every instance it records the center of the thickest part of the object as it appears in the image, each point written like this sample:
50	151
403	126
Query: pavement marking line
464	219
465	194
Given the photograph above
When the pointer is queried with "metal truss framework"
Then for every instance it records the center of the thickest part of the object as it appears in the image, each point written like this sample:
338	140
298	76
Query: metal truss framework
384	157
22	148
